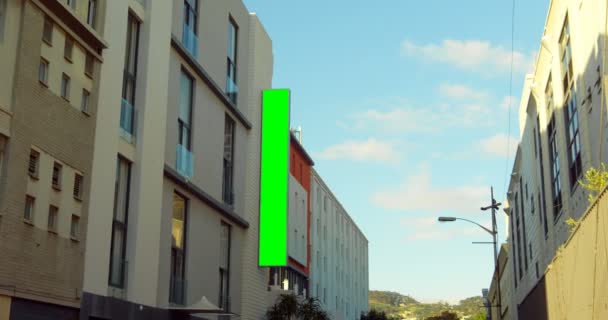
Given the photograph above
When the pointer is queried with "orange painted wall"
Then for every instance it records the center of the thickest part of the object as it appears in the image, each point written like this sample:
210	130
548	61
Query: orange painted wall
300	168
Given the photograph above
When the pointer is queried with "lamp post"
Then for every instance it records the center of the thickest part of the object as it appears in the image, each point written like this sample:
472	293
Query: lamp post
494	206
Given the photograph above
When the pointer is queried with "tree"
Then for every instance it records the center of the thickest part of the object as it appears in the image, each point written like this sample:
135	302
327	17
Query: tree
595	182
374	315
445	315
288	307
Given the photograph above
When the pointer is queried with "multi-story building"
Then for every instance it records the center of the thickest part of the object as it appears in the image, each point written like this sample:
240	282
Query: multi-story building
181	86
339	260
295	276
562	114
50	57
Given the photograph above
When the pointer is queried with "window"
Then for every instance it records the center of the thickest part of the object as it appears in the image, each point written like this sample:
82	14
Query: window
178	243
33	163
573	138
227	181
28	212
224	301
92	13
185	111
43	72
89	65
549	94
190	14
65	87
52	221
57	175
535	144
130	76
75	227
231	87
542	205
119	223
71	3
47	31
84	104
3	11
556	186
77	186
189	27
566	56
68	48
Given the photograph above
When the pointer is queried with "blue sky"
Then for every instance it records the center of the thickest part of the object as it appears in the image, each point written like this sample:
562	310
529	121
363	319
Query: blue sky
404	107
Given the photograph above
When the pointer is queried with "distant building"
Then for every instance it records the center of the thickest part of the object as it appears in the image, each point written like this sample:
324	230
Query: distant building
505	288
339	260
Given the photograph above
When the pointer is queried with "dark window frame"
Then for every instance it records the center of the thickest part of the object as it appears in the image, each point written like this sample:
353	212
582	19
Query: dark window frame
556	185
92	13
44	65
68	48
182	126
225	273
228	164
191	13
231	65
573	139
130	66
47	30
66	82
179	253
122	225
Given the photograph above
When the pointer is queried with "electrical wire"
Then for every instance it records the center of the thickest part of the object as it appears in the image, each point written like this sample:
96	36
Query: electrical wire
510	97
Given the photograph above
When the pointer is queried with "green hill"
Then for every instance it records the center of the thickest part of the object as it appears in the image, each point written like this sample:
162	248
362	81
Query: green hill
400	306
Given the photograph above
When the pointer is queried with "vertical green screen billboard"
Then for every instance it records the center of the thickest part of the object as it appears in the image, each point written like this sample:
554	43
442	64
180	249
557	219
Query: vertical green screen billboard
274	178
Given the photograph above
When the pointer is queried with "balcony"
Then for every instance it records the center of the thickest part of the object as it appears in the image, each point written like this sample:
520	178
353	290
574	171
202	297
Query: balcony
232	90
185	161
190	40
177	291
127	121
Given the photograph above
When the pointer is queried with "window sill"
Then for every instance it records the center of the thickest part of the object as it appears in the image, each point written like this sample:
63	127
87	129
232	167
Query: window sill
52	231
68	59
33	176
56	187
48	42
75	239
28	222
89	75
66	99
86	113
44	84
79	199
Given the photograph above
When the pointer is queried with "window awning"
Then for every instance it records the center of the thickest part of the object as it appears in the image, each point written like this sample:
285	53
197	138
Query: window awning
202	308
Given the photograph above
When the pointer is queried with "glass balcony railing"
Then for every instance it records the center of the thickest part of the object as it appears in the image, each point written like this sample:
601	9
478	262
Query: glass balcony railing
190	40
185	161
127	121
232	90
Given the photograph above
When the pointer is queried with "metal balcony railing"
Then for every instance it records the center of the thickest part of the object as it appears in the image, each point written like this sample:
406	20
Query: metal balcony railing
127	121
184	161
190	40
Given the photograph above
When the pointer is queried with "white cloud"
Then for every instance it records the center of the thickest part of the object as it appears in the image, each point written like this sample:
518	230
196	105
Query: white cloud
418	193
368	150
462	92
398	115
472	55
498	144
512	100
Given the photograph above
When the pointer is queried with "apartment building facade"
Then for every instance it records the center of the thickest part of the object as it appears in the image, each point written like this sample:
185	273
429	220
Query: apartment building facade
501	301
562	115
49	92
295	277
339	255
181	132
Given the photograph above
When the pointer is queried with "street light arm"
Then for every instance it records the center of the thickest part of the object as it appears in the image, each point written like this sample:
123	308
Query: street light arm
484	228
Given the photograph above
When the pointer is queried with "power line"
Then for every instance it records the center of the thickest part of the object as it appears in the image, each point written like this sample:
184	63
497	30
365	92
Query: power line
510	95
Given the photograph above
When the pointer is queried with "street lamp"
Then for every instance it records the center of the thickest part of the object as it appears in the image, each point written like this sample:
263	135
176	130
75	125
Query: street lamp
494	206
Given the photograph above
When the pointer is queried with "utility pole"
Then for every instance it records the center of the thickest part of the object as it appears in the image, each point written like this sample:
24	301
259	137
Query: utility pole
496	262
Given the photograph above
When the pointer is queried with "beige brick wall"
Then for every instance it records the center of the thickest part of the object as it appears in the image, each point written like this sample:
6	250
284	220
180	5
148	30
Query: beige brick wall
38	264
